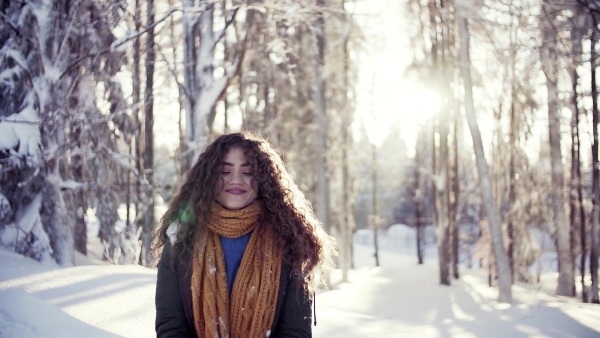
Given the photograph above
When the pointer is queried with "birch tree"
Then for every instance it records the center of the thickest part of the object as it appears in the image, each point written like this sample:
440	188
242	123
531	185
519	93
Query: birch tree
341	33
202	87
515	106
501	258
322	196
442	37
549	60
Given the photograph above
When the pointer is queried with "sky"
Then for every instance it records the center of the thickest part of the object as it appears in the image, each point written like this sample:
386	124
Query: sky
385	96
397	299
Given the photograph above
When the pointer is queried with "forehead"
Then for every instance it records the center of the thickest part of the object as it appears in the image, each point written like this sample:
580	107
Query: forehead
235	155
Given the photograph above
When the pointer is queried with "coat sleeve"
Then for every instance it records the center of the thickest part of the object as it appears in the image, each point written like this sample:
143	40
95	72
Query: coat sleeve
170	314
295	318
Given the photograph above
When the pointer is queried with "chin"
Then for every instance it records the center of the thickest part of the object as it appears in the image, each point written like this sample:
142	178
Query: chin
235	205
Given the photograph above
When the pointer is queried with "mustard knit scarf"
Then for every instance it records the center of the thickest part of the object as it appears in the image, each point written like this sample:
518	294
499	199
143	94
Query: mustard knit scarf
251	309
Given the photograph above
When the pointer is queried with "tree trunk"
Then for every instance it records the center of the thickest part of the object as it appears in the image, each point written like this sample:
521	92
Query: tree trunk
573	198
137	124
53	214
347	224
322	197
79	198
375	213
347	211
190	81
575	206
442	204
454	201
180	162
512	140
129	226
418	195
501	258
53	211
205	100
549	62
595	235
148	228
441	49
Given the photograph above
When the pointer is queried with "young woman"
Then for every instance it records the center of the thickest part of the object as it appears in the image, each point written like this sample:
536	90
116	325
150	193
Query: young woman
240	248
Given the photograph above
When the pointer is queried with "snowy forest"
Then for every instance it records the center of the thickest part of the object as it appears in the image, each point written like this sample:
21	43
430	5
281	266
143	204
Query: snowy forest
486	146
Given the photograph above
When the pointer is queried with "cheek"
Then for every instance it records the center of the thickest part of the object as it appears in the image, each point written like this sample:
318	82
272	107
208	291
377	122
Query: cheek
218	186
249	181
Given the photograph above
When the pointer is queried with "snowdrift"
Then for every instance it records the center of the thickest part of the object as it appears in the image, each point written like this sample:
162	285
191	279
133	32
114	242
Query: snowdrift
398	299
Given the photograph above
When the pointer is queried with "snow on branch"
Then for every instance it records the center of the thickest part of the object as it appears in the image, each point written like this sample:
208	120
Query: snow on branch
291	12
220	85
74	185
122	160
119	42
190	8
133	35
13	120
10	24
21	132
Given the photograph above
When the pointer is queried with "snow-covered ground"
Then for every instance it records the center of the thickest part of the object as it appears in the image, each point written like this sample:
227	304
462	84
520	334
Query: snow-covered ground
399	298
88	301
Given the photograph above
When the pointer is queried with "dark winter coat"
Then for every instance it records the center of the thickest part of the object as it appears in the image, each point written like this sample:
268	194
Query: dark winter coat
174	311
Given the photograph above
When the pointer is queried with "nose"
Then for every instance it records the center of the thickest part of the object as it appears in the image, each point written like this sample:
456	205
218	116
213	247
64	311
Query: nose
236	176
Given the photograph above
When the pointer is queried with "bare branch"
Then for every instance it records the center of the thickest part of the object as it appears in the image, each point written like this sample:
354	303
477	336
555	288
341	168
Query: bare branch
10	24
227	24
120	43
172	70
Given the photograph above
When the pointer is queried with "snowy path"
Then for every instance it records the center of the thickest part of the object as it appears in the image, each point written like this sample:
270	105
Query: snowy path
398	299
407	301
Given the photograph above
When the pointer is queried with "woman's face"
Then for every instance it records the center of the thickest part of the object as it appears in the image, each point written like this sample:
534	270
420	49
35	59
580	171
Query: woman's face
237	188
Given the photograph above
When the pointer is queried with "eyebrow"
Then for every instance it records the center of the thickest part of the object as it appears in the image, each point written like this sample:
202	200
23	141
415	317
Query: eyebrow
231	164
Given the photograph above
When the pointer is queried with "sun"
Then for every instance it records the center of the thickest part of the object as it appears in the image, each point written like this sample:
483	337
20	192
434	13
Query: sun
399	103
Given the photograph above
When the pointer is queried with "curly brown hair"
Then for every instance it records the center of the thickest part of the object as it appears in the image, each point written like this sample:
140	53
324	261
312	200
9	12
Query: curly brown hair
306	245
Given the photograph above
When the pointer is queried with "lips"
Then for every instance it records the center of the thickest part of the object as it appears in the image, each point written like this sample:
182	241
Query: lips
236	191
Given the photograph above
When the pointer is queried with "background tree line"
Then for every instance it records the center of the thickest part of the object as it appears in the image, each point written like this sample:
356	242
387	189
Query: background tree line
81	83
86	77
529	68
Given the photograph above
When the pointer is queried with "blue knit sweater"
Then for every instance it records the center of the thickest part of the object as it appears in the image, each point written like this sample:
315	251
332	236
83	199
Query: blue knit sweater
233	248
